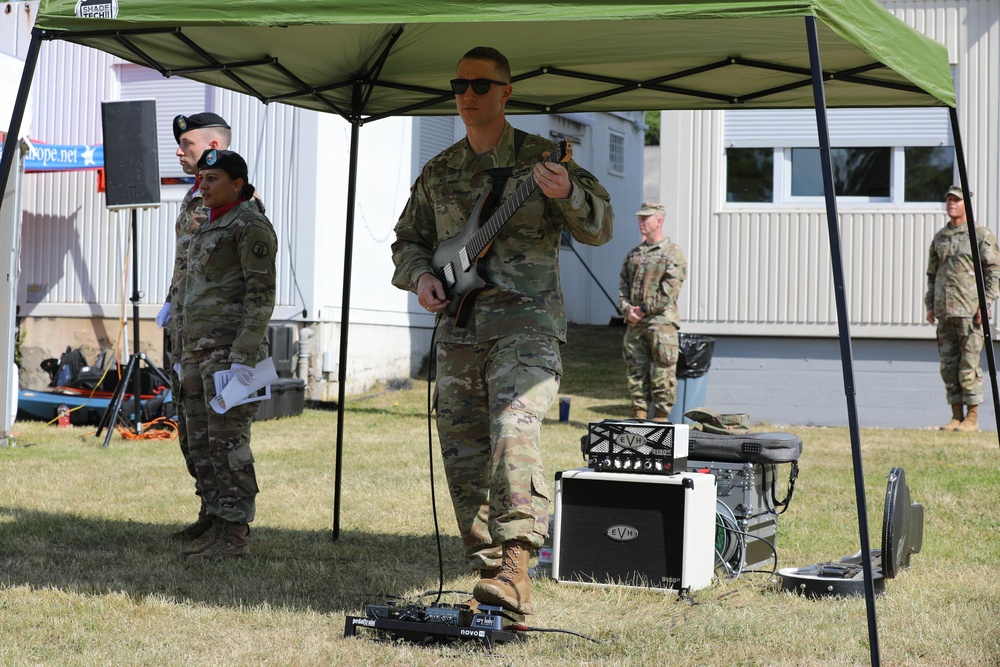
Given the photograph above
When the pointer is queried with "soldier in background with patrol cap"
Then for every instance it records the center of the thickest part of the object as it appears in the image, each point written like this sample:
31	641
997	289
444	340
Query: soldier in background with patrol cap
228	302
194	134
650	282
952	301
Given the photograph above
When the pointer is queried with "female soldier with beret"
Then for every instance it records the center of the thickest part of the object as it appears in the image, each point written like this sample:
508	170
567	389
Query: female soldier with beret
229	299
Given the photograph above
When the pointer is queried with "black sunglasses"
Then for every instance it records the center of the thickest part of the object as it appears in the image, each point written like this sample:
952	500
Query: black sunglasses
479	86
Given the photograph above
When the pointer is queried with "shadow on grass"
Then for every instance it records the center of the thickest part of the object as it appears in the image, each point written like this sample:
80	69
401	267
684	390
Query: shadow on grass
294	569
593	364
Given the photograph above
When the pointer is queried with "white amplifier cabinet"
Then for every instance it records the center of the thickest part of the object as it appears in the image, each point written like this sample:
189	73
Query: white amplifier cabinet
626	529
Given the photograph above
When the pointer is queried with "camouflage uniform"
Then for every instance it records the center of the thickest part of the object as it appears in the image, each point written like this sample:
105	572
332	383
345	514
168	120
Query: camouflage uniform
228	303
191	215
498	376
651	277
952	295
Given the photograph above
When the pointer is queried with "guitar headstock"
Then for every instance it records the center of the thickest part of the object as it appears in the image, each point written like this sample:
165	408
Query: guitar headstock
566	148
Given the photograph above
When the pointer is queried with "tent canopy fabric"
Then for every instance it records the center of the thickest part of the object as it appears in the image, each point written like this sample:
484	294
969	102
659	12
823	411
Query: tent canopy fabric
566	55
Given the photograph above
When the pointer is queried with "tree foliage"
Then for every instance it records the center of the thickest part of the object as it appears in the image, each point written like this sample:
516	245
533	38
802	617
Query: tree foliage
653	130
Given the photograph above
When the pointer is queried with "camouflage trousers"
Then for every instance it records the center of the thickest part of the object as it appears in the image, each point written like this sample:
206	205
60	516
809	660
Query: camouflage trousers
651	366
490	400
177	390
960	343
219	445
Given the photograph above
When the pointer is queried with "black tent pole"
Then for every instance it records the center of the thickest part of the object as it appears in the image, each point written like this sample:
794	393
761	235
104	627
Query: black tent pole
345	309
17	114
843	325
963	176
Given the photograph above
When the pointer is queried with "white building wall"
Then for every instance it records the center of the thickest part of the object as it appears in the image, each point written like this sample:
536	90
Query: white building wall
762	270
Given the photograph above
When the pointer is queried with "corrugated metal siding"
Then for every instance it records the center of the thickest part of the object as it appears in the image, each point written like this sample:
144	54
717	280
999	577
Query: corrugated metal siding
268	137
853	128
767	272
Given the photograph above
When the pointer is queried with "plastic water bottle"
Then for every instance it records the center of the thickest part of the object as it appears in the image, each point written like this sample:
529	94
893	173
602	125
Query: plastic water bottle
544	567
63	412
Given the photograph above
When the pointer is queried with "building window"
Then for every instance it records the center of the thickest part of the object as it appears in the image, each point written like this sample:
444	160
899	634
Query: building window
928	172
900	175
616	153
857	172
750	175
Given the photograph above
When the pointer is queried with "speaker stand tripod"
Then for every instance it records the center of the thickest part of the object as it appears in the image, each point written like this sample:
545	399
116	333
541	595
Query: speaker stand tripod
112	415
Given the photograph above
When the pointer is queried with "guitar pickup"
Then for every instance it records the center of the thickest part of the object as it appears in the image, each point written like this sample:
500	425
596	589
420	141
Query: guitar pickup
449	275
463	257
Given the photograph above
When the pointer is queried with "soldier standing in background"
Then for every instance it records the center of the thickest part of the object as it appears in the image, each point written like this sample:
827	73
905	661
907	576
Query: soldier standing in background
194	135
651	279
498	375
228	302
952	300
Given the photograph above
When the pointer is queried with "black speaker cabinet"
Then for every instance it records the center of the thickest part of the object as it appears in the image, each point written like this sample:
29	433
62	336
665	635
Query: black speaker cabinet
131	156
625	529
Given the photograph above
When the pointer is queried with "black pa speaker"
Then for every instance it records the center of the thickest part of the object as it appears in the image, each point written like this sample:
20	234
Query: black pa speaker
131	156
648	531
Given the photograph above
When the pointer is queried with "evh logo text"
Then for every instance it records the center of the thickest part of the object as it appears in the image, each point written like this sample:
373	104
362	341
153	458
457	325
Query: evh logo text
622	533
630	440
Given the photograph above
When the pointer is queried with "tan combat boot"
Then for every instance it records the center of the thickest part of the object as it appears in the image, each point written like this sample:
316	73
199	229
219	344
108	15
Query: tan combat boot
193	531
661	416
232	543
511	588
206	539
956	417
638	413
971	422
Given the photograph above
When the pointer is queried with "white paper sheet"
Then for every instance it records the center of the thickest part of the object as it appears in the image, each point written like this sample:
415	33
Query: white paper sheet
230	392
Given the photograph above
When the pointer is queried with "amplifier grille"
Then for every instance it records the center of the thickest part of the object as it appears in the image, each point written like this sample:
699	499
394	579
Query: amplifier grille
591	508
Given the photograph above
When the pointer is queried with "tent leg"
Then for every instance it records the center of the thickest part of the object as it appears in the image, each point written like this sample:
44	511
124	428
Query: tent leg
345	311
843	325
976	261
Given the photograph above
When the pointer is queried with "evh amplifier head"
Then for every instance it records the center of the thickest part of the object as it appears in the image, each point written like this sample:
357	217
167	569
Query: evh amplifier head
636	446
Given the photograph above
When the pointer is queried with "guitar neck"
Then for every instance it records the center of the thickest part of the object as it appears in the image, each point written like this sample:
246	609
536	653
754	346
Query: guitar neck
488	231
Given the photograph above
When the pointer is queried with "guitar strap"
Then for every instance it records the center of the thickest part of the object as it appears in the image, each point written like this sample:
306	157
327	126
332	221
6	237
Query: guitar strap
499	175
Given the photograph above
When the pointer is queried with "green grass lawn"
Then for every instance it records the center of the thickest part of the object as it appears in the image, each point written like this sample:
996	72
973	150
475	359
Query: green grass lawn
89	575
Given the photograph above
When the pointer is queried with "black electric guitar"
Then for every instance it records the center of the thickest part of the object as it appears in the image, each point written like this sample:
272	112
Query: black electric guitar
456	260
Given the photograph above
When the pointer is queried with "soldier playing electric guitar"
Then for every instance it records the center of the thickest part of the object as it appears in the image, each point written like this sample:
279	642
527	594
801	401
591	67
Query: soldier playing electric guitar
498	370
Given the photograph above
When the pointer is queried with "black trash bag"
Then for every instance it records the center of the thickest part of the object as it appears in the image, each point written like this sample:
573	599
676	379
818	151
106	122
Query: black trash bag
695	355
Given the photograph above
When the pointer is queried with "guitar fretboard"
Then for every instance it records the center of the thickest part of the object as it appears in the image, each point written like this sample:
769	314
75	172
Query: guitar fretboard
492	227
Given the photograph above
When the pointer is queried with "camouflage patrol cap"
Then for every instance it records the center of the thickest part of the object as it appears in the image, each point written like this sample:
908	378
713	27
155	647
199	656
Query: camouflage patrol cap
651	209
956	191
197	121
229	161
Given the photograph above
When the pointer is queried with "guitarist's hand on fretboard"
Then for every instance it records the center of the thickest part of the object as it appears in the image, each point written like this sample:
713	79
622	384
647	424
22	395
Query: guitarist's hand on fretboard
431	293
553	179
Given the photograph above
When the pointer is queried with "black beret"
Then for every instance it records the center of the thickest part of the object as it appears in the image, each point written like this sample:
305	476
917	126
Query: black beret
206	119
228	161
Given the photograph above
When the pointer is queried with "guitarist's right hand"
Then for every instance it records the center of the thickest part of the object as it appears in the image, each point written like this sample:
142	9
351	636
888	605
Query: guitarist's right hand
430	293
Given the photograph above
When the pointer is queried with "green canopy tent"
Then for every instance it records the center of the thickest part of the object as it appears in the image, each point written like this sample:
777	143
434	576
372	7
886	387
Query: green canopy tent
378	58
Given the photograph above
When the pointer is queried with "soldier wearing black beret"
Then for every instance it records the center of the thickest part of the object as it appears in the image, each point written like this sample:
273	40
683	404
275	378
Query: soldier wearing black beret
195	134
197	121
229	300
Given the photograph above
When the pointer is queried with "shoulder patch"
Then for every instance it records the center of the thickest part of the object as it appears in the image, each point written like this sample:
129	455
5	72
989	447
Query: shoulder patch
260	249
585	177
